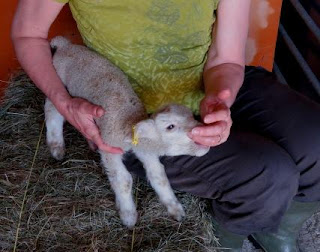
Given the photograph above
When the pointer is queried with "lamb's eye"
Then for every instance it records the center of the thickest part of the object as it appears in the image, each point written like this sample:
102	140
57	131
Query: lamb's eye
170	127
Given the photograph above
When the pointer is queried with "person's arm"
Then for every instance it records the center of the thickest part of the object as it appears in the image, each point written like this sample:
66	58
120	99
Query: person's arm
29	34
224	71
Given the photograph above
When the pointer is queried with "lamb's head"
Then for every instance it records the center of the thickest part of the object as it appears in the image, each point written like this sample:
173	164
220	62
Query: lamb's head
169	127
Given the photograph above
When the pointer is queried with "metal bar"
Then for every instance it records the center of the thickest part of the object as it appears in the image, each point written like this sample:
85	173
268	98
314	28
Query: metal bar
278	74
300	60
306	18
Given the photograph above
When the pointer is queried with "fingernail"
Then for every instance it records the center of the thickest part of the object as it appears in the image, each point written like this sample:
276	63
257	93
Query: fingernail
195	132
206	120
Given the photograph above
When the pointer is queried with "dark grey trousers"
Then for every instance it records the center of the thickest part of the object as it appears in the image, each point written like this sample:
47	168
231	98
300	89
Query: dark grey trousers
271	157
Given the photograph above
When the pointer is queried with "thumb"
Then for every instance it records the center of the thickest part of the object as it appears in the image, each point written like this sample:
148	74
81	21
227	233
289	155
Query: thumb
99	111
89	108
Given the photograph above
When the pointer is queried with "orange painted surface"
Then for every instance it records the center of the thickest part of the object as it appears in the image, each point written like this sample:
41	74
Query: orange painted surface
7	58
264	31
263	38
64	25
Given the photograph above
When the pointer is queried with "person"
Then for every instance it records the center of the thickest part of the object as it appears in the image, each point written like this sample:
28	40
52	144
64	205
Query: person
262	175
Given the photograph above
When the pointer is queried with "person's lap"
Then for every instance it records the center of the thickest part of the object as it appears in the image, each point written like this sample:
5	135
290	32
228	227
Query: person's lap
289	119
271	156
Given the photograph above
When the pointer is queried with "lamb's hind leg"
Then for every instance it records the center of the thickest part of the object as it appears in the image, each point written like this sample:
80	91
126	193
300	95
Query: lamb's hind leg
54	125
160	183
121	183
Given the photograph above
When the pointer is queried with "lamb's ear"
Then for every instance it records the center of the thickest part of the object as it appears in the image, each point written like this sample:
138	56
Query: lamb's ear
162	110
165	109
146	129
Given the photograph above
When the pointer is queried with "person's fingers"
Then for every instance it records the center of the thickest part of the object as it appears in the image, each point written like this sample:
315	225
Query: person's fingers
105	147
99	112
92	133
203	109
210	130
207	108
92	145
110	149
218	115
89	108
208	141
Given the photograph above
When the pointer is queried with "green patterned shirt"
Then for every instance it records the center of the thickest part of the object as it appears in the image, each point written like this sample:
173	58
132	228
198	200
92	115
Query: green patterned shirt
160	44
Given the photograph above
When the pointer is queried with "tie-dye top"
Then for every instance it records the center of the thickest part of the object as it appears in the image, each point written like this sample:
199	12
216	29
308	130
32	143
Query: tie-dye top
160	44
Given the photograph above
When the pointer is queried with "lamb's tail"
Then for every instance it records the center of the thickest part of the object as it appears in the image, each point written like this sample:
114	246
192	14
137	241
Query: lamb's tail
59	42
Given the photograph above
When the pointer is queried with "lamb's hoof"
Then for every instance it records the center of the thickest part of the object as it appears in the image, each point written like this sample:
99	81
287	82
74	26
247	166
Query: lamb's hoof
175	209
129	218
57	150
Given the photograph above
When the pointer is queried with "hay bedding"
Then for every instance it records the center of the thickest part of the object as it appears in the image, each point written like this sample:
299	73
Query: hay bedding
69	205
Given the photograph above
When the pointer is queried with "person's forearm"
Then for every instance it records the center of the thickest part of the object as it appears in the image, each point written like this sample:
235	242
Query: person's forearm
226	76
34	55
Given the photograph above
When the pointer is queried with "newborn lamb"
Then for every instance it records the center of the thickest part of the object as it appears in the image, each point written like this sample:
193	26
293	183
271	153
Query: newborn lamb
125	124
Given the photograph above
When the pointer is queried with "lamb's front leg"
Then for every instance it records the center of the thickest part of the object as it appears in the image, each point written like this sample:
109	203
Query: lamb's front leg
121	183
159	181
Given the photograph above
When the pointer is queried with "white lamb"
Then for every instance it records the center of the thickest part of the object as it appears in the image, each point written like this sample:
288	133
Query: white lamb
90	76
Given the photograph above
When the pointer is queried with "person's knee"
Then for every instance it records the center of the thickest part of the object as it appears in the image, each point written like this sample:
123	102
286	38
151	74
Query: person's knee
283	173
259	203
278	195
307	149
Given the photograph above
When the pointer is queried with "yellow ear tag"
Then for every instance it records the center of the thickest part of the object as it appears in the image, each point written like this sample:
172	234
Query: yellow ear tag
135	139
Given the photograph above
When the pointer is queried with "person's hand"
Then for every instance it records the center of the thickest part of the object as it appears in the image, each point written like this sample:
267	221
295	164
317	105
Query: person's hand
217	120
81	113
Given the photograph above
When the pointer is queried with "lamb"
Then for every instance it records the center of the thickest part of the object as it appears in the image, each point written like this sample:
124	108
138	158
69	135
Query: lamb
88	75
